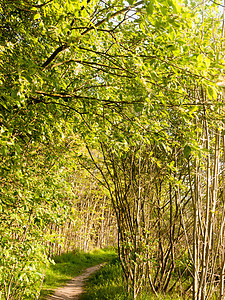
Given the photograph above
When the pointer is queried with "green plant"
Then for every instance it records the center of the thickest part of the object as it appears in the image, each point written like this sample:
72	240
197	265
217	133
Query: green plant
107	283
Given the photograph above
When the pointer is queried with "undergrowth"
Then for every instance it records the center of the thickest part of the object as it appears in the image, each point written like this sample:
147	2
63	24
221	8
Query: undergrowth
108	284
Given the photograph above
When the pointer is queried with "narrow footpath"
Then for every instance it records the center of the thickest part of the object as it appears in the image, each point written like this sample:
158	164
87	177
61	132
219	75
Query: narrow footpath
74	288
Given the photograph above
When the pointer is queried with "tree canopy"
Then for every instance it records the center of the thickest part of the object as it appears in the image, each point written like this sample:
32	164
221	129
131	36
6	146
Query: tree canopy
130	93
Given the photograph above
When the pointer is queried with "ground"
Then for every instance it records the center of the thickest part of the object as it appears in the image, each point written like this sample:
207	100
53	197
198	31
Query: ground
74	287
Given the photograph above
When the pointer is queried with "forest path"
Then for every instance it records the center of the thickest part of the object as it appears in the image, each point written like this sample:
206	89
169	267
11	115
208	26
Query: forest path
74	288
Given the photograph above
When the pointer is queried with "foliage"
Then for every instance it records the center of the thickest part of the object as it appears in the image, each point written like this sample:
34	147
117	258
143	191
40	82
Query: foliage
130	90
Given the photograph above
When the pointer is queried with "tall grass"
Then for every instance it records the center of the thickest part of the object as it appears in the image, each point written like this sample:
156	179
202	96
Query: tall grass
108	284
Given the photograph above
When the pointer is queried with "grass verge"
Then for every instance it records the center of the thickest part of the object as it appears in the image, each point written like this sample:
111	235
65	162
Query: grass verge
108	284
71	264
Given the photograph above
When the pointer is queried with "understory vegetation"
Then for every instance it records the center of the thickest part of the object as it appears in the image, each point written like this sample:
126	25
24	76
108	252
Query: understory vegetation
108	283
112	133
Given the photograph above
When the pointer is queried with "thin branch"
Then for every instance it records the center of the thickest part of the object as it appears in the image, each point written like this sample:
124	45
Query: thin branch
54	54
65	45
217	3
38	6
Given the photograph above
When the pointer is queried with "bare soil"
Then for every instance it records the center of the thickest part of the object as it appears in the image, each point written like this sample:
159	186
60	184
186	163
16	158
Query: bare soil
74	288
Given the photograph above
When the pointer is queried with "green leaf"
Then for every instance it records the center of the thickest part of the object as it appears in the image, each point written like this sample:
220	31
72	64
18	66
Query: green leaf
37	16
200	58
187	151
150	7
211	92
176	6
193	109
207	62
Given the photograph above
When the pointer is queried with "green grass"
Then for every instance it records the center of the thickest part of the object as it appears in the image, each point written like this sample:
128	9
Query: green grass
71	264
108	284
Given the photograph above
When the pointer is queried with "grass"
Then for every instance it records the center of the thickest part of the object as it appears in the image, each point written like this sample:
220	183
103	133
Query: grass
108	284
71	264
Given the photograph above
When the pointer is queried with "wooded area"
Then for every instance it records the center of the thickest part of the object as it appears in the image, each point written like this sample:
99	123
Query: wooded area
112	126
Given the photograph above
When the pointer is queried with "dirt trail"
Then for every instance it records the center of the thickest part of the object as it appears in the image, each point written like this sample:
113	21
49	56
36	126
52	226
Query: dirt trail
74	287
